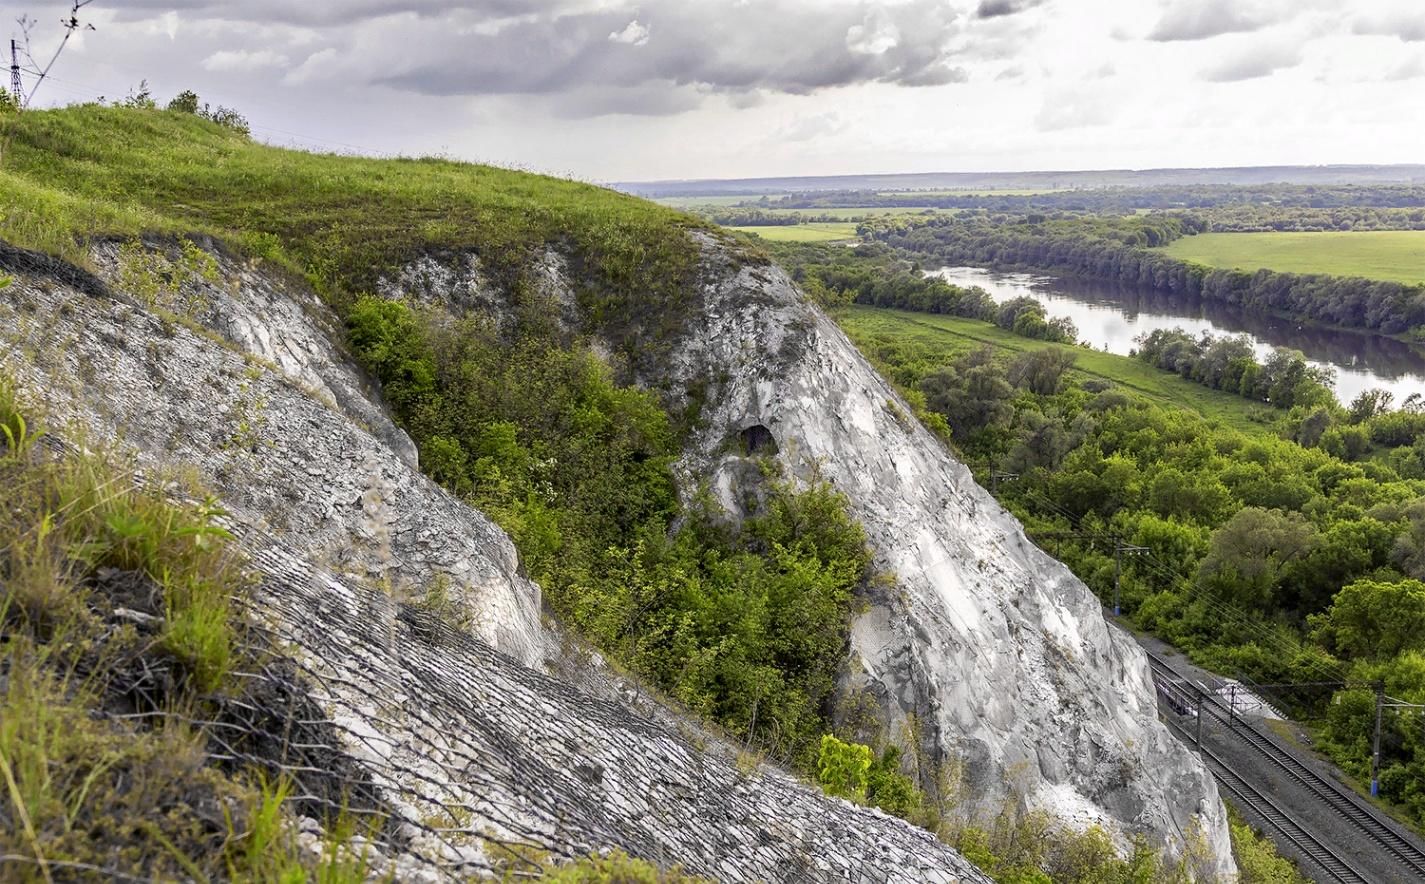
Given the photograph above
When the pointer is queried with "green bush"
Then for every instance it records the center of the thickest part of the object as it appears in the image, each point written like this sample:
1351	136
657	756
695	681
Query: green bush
1257	858
842	768
891	790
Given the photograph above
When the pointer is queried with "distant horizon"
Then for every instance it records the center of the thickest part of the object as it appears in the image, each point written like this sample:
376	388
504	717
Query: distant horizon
678	90
1304	173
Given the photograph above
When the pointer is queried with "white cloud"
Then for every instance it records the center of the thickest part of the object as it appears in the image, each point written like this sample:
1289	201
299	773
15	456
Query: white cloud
634	34
1200	19
244	60
874	35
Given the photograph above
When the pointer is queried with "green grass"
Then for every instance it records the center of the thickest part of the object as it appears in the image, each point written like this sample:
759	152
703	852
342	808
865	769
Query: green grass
90	171
131	796
1397	255
948	336
821	231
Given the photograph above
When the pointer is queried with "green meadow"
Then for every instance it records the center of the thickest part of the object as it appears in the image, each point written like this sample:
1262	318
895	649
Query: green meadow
945	337
1397	255
821	231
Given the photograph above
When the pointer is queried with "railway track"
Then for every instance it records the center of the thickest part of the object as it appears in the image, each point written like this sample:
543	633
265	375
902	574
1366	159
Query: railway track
1340	800
1336	867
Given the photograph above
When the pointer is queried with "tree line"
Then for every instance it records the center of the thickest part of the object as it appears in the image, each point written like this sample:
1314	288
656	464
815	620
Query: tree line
1119	200
1120	250
1229	363
759	218
875	276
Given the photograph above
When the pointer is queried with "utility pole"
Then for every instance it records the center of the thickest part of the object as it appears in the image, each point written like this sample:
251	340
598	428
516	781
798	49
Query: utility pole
1119	548
1375	751
996	476
16	84
1199	715
1232	705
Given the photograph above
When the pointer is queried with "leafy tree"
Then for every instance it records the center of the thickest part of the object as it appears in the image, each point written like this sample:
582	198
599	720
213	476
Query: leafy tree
972	393
1346	552
1369	404
1041	371
1374	620
1193	497
1247	556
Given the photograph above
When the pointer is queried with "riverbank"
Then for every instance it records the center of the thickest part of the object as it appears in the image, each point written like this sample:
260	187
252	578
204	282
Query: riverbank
945	337
1112	315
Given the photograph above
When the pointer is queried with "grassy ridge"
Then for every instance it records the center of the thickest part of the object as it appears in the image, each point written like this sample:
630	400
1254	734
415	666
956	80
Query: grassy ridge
949	336
1395	255
90	171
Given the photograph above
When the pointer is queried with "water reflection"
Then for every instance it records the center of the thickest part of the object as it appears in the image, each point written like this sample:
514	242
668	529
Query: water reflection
1109	316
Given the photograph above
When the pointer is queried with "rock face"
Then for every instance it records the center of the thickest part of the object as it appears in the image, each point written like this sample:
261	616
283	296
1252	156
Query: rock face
466	741
999	653
256	397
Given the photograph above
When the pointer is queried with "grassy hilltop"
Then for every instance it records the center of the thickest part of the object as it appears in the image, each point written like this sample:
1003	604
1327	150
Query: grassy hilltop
94	171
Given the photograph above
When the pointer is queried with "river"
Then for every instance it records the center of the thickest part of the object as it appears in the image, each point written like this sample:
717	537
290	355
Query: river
1109	316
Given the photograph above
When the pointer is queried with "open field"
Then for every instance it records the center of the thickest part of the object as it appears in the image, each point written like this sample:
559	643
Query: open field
952	335
857	211
1397	255
692	202
821	231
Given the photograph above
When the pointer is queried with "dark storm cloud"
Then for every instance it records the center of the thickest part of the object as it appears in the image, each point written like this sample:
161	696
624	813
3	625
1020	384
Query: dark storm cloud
998	8
1200	19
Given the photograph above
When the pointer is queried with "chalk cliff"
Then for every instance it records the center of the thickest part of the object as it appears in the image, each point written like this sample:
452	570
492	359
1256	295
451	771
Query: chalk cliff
477	745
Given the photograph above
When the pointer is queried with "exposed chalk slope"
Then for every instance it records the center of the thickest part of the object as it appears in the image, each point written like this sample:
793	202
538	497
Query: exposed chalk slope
324	495
997	650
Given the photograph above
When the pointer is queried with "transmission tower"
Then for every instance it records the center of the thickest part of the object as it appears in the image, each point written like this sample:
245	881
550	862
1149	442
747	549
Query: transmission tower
16	85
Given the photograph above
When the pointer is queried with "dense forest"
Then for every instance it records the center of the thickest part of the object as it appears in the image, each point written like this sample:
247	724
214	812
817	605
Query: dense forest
1120	249
1290	554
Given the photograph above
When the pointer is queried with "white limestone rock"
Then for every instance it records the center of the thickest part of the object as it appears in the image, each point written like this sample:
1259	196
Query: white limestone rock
339	526
1000	653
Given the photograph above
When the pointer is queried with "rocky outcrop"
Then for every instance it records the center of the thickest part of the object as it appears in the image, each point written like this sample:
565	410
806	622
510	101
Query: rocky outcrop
475	752
987	656
249	389
1001	657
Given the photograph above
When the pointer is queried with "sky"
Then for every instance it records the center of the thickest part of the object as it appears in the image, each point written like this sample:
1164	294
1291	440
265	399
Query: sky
638	90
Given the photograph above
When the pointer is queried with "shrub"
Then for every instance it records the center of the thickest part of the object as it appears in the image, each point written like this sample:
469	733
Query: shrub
842	768
890	790
1257	858
185	102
